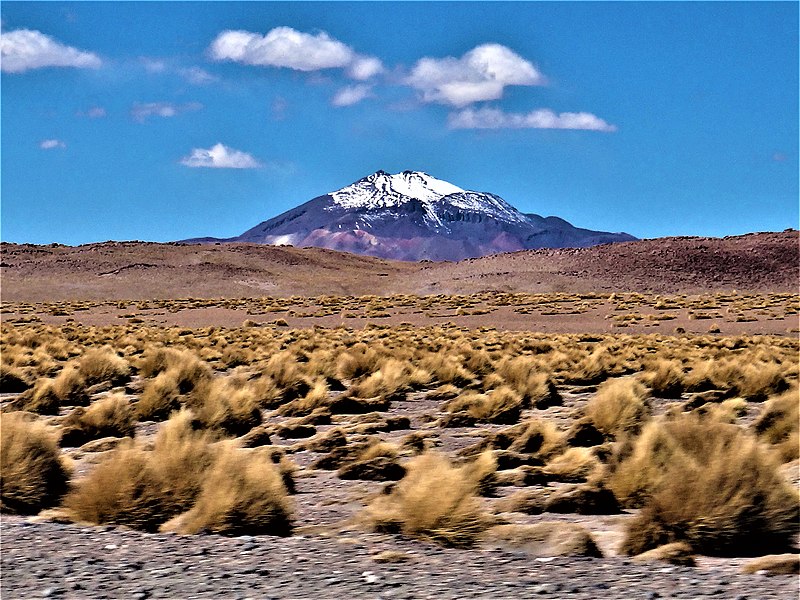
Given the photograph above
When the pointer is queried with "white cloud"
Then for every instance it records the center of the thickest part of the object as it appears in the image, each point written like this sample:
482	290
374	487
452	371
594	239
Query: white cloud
220	156
26	49
481	74
141	112
292	49
351	94
493	118
96	112
365	67
153	65
51	144
197	76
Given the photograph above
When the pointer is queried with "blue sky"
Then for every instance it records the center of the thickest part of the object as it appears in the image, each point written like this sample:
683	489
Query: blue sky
162	121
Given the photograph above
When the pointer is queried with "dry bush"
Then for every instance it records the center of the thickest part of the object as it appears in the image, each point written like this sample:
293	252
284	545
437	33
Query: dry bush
32	474
545	539
316	398
140	488
756	382
42	399
221	404
779	424
500	405
111	416
103	364
523	375
435	501
12	380
241	493
706	483
160	397
619	406
389	381
483	471
664	378
357	361
774	564
574	464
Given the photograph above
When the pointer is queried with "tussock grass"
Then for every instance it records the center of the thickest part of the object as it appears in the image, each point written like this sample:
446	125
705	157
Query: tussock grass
221	404
111	416
12	380
706	483
619	406
144	488
500	405
779	424
160	397
240	493
32	473
103	364
434	501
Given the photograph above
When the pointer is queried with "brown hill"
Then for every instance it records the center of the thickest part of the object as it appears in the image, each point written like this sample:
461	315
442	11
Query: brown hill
115	270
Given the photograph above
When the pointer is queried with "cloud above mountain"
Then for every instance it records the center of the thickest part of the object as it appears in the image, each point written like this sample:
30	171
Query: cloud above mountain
220	156
288	48
481	74
26	49
494	118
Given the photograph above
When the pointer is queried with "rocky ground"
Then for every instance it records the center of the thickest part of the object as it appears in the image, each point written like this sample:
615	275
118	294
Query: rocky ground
51	560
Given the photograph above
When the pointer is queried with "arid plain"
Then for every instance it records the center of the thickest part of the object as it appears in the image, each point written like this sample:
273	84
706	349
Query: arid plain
247	421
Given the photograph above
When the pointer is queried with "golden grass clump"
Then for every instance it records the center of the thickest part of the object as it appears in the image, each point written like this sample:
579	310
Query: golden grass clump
159	398
664	378
103	364
706	483
500	405
221	404
12	380
32	474
144	488
110	416
241	493
619	406
434	501
779	424
389	381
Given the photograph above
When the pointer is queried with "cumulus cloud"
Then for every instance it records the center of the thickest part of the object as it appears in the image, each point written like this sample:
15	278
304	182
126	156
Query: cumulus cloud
292	49
96	112
351	94
51	144
481	74
143	111
365	67
220	156
26	49
493	118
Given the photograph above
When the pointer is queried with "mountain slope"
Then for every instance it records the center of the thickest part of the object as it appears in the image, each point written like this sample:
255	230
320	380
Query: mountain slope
414	216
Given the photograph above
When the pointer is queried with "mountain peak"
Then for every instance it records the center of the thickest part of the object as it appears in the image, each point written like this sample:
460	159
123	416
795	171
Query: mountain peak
384	190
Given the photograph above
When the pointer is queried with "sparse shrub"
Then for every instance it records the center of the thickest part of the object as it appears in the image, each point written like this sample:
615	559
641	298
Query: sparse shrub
103	364
111	416
573	465
12	380
618	406
219	404
500	405
435	501
664	378
144	488
779	424
32	474
390	381
240	494
706	483
159	398
546	538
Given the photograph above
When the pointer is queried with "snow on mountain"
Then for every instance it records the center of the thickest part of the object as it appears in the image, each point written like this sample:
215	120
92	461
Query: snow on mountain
414	216
382	190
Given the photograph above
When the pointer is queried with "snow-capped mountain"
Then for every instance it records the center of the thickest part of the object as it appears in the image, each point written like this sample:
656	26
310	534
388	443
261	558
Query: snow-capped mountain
414	216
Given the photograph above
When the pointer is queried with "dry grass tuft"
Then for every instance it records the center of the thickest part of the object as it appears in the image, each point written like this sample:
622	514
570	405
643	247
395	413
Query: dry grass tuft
103	364
500	405
240	494
545	538
434	501
111	416
707	483
32	474
619	406
779	424
140	488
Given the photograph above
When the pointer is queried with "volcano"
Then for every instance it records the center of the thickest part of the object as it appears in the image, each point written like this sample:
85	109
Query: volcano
413	216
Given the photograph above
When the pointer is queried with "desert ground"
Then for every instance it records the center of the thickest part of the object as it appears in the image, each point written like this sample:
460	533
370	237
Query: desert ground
254	422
